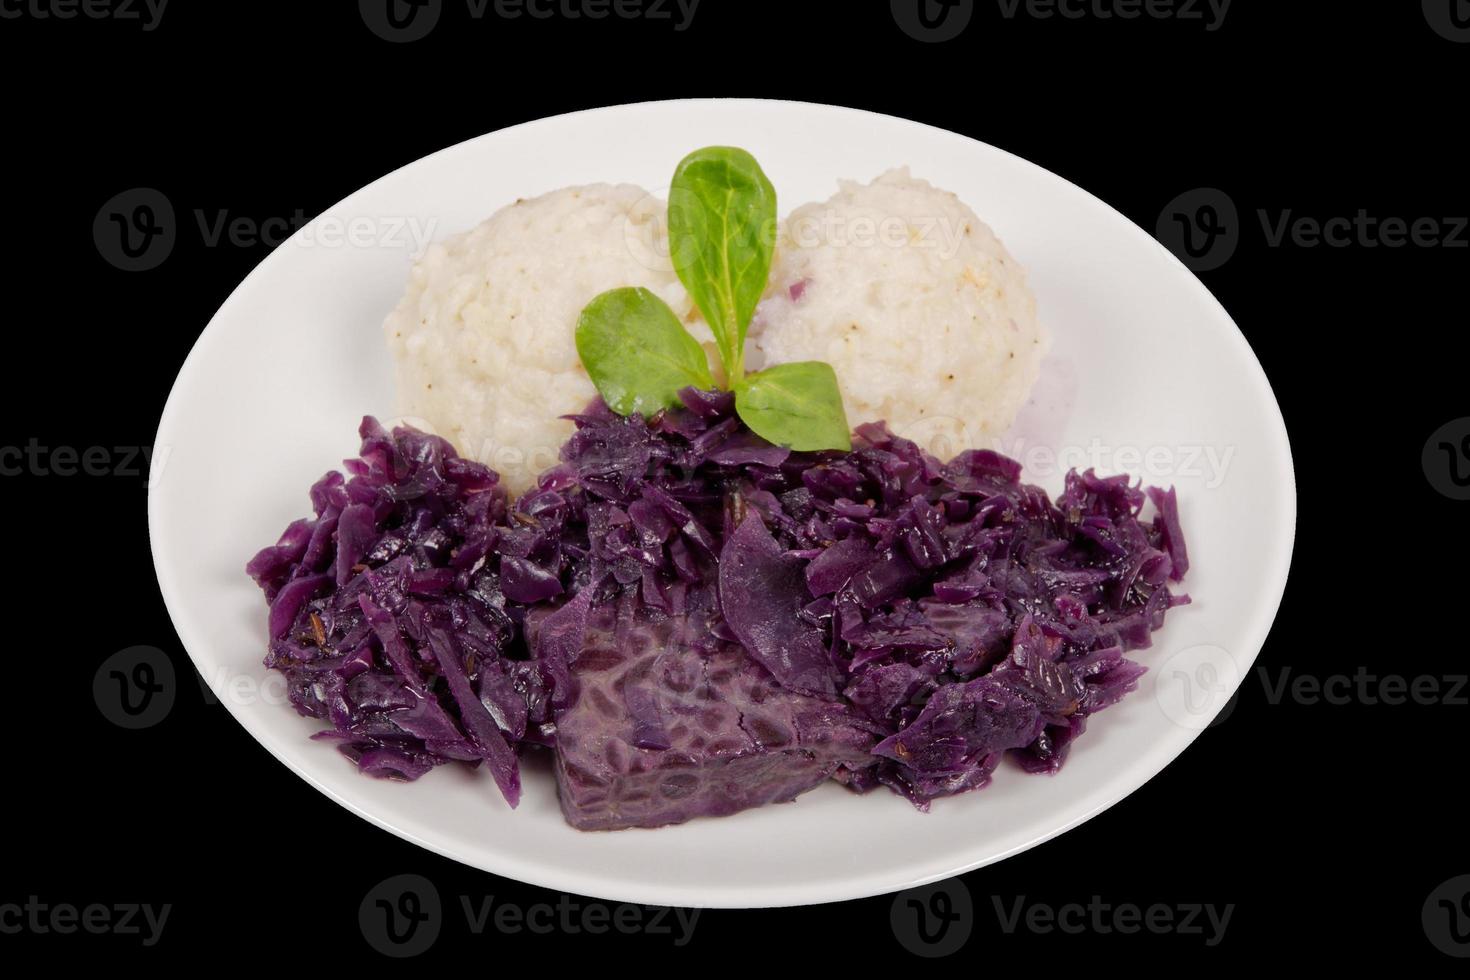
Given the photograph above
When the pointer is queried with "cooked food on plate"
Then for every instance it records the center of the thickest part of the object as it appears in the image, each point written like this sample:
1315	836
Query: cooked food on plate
483	338
716	593
918	307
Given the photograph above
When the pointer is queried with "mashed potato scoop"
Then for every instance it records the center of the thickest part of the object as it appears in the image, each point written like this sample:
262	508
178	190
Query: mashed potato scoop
925	317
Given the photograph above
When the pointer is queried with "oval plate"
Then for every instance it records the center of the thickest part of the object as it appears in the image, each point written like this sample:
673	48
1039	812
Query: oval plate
272	393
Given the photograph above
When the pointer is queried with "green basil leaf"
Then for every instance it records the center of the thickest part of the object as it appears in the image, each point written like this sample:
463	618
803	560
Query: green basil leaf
638	353
722	238
797	405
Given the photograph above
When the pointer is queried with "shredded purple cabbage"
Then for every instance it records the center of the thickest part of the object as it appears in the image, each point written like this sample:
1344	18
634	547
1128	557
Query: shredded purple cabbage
914	621
389	620
961	612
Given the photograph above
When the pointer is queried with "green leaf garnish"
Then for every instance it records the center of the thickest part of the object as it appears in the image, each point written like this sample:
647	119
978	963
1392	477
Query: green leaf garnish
638	353
722	236
722	239
797	405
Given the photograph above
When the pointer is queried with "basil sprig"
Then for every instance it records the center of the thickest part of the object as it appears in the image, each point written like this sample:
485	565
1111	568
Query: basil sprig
722	240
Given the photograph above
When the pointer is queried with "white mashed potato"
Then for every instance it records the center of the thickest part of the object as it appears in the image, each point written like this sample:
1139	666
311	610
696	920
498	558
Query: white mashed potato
484	338
918	307
925	317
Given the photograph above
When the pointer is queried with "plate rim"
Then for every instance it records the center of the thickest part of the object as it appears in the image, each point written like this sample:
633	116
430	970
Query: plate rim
849	887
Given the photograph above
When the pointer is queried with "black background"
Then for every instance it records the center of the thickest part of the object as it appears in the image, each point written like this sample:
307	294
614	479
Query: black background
1327	826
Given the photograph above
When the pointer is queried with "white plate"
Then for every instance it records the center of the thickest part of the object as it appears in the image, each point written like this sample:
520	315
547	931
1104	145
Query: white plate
1148	369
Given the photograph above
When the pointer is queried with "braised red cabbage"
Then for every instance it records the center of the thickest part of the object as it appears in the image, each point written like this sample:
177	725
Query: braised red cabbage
389	620
697	621
961	613
667	726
